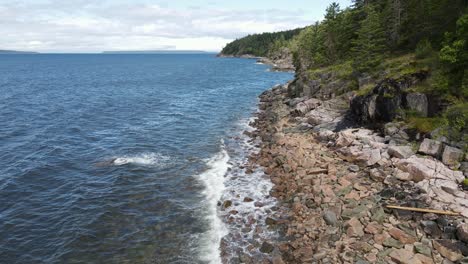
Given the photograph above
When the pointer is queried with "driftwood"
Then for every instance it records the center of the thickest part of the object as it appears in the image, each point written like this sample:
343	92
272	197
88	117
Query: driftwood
423	210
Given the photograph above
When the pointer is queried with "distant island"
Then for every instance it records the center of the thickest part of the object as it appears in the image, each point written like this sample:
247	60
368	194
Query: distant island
17	52
155	52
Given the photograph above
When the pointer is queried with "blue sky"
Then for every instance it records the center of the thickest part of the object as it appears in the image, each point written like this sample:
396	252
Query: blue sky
93	26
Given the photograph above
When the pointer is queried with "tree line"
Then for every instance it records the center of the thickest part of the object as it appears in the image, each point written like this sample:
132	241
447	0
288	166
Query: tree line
369	31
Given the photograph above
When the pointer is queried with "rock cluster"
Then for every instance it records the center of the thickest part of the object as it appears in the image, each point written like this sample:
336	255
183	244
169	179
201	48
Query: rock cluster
333	185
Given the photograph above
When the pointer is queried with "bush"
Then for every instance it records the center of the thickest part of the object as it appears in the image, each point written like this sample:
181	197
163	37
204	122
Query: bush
423	49
426	124
457	116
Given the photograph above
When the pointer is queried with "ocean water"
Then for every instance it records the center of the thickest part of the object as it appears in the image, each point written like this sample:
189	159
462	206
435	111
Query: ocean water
123	158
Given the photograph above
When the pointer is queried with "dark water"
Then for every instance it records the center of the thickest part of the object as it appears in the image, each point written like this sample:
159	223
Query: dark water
118	158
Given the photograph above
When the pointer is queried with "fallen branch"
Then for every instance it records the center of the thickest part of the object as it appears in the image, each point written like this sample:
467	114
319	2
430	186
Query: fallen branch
423	210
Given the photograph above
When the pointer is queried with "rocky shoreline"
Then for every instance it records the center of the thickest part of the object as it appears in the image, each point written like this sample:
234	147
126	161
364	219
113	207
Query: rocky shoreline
333	181
282	61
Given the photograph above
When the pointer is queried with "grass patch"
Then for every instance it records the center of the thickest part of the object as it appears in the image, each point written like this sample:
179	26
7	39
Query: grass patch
426	124
365	90
396	67
338	71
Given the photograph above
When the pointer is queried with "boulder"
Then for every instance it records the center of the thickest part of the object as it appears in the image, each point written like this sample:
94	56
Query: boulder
266	248
306	106
427	168
386	100
431	147
452	156
418	102
401	152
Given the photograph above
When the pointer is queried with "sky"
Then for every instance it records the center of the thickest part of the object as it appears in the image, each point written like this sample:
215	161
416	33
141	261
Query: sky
111	25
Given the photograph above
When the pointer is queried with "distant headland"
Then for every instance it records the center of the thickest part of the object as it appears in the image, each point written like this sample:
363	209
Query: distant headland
17	52
155	52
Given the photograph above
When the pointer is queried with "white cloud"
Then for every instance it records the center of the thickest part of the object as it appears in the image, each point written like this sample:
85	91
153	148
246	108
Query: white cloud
87	26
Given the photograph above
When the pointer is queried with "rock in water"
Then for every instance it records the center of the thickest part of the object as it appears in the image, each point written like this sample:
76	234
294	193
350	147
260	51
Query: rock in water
266	247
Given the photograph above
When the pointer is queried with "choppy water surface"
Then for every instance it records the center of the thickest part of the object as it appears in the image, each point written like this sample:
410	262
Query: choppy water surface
121	158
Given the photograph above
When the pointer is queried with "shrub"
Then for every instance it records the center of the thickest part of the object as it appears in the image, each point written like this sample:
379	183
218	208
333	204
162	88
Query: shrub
423	49
426	124
457	117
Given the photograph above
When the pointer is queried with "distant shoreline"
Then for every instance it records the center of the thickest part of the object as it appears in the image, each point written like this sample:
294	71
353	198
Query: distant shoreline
6	52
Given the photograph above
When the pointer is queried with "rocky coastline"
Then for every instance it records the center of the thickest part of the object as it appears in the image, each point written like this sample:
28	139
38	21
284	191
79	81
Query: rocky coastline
282	61
333	180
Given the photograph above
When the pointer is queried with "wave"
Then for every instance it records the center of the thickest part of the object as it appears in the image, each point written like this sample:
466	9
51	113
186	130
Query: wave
145	159
213	179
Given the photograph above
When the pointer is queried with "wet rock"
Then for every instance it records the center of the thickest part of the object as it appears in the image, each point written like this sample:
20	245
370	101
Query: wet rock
227	204
452	156
401	152
448	249
270	221
266	247
462	232
431	147
248	200
330	218
258	204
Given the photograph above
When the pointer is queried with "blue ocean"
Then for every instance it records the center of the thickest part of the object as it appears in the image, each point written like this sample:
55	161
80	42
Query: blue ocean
114	158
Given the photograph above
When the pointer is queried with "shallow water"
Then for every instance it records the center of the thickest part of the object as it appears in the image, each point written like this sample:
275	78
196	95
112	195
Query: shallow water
121	158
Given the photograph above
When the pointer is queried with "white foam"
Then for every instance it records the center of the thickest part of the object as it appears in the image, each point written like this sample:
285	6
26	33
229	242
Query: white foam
146	159
213	179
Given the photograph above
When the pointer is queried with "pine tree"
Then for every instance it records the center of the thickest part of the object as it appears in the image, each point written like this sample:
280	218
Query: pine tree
370	43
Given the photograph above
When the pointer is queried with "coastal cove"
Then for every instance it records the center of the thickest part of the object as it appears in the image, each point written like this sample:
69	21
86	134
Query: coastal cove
122	158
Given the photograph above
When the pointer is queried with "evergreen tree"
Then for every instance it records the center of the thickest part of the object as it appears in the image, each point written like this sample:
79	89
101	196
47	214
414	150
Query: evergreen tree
370	43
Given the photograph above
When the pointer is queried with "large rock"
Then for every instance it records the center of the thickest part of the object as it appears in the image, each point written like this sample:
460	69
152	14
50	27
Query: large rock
418	102
306	106
428	168
431	147
386	100
452	156
401	152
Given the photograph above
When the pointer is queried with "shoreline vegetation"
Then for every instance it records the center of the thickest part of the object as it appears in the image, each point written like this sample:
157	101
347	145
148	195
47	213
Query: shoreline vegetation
376	116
